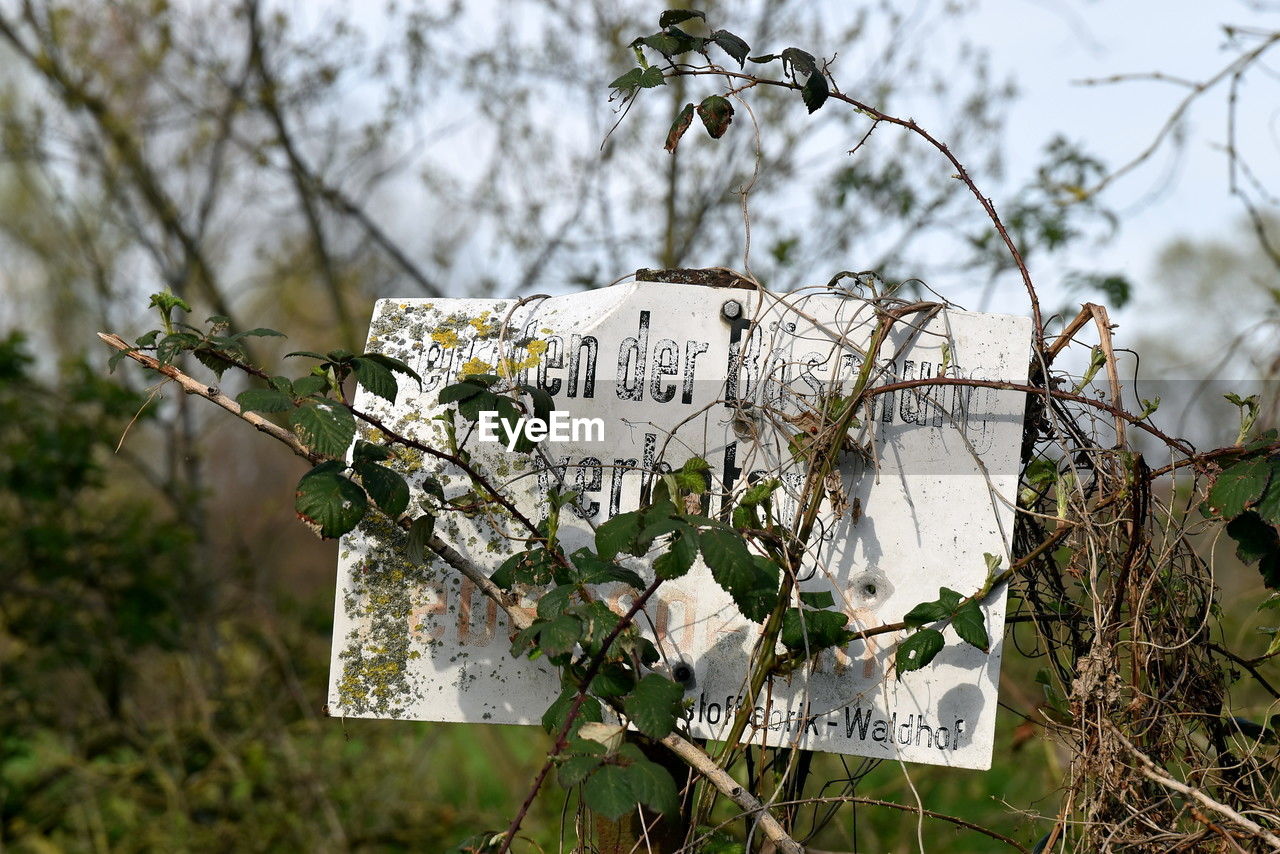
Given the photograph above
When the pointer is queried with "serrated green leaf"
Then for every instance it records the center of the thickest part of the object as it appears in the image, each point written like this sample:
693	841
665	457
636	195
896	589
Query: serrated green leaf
1268	506
732	45
628	82
386	487
1257	540
752	584
370	451
608	792
763	59
375	378
664	43
671	17
309	385
652	77
949	599
264	400
560	635
1239	487
613	680
618	535
759	493
394	365
818	599
799	61
554	601
815	91
325	427
678	127
553	718
812	630
716	113
460	391
419	535
653	704
486	401
310	354
926	612
575	769
918	650
653	786
212	360
970	626
679	556
331	503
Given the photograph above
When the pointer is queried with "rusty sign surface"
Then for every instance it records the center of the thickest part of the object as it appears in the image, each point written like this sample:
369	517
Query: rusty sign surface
675	371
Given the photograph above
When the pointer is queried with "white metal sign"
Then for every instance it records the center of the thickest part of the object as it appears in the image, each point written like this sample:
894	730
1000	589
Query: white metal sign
674	371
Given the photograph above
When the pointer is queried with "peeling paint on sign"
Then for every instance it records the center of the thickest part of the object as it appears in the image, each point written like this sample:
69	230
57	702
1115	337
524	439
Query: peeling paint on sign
675	372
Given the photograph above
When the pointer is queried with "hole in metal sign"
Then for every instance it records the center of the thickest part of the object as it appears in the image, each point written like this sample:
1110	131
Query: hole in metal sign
870	589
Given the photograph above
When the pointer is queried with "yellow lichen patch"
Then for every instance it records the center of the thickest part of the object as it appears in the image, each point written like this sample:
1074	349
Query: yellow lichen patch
537	348
474	366
508	368
483	326
445	337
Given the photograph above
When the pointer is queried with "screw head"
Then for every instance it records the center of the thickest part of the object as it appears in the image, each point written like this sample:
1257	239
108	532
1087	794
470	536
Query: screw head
731	310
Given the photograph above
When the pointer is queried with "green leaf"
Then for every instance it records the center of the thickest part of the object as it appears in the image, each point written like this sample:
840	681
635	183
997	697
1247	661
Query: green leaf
171	345
732	45
653	704
553	718
554	601
486	401
652	77
212	360
653	786
1239	487
593	570
679	557
752	583
799	61
759	493
716	113
264	400
386	487
815	91
766	58
812	630
664	43
310	354
375	378
559	635
460	391
370	451
678	127
542	406
818	599
260	332
326	427
309	385
628	82
970	626
329	502
608	792
618	535
671	17
576	769
1268	506
918	650
613	680
1257	540
419	534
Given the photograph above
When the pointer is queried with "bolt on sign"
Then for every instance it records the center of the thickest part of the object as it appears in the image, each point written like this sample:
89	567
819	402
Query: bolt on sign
644	376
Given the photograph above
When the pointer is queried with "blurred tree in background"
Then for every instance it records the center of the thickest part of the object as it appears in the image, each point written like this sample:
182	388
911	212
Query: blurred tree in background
163	626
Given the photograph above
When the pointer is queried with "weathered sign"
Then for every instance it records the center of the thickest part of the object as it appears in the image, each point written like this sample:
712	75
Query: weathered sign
644	376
